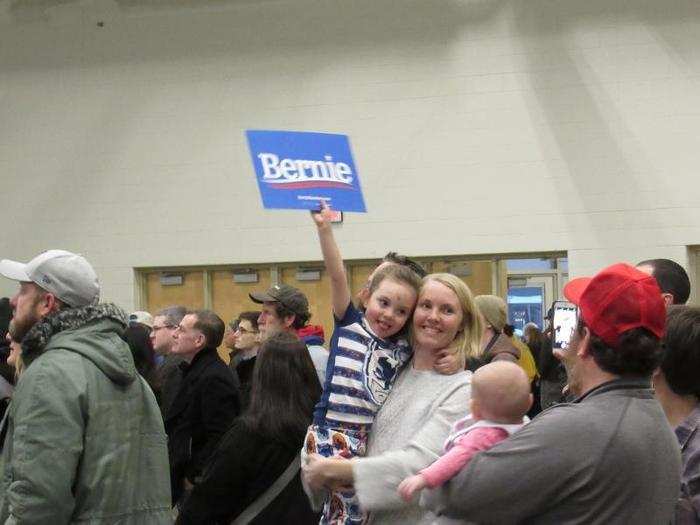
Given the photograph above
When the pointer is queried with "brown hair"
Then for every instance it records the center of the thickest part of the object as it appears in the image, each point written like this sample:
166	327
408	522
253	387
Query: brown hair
284	389
398	273
210	325
251	317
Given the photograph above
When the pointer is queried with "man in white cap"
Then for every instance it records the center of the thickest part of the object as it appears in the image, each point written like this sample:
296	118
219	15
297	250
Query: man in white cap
84	437
142	318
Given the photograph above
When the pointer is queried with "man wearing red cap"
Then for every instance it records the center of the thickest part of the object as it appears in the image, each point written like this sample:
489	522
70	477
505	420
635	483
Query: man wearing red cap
609	457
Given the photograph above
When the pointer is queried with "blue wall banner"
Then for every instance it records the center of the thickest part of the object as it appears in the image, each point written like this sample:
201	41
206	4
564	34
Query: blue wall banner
298	170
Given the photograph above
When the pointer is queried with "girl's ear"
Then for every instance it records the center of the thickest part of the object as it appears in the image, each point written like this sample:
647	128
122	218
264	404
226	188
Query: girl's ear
363	296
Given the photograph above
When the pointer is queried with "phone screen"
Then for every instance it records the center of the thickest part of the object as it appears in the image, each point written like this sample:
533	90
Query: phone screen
564	321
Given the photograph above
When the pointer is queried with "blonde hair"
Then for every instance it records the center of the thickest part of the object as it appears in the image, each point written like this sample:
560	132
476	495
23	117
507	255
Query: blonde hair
467	343
19	367
493	309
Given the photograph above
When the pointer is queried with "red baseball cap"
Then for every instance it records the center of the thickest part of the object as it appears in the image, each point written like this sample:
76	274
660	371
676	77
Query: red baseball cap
617	299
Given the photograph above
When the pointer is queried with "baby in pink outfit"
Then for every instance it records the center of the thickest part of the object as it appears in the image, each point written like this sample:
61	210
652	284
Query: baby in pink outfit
500	399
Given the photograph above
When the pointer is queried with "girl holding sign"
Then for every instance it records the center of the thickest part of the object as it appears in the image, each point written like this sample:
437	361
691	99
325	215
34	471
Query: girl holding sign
367	350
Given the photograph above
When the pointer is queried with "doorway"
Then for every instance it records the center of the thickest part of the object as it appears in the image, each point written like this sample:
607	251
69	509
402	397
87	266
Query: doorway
533	285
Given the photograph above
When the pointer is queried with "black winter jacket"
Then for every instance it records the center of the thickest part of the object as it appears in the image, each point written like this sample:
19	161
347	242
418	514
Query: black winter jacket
242	468
203	409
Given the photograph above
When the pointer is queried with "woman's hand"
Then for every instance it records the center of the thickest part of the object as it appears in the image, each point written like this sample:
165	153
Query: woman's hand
448	362
313	472
329	473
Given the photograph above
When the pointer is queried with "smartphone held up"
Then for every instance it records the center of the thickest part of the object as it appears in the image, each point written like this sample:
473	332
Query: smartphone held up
564	321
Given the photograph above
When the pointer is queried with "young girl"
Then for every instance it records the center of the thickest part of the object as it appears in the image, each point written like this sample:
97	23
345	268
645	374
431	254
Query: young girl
367	350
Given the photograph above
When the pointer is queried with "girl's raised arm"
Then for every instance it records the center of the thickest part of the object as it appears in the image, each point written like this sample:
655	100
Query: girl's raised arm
340	291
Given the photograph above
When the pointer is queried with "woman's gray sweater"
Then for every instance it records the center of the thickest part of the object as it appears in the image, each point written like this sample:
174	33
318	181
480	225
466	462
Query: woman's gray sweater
407	436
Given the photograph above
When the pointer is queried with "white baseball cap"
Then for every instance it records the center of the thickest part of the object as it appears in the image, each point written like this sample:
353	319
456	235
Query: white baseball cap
66	275
141	317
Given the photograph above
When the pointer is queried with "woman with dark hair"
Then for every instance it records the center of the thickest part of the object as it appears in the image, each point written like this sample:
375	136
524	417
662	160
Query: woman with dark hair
262	446
138	337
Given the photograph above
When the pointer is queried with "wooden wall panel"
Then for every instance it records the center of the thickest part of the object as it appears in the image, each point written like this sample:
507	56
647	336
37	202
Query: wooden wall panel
189	294
359	273
479	280
229	299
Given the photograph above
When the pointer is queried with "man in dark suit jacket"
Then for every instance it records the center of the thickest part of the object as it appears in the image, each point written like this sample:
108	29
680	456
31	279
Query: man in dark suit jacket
205	404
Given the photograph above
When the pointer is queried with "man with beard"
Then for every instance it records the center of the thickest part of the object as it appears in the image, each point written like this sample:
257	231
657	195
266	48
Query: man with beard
84	437
286	309
609	457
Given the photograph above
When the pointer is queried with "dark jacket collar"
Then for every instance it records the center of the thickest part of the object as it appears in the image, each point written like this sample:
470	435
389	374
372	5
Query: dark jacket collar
199	362
622	383
190	374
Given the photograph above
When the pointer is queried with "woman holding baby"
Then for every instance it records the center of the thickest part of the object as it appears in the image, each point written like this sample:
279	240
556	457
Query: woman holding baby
411	427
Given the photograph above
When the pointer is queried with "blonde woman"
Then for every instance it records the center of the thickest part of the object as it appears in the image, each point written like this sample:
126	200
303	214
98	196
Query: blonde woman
498	342
411	427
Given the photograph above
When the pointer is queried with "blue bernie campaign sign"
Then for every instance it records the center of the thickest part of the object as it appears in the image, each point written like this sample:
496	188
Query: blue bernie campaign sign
298	170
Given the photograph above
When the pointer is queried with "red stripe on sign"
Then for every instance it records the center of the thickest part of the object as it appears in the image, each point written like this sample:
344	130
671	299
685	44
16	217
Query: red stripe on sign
307	184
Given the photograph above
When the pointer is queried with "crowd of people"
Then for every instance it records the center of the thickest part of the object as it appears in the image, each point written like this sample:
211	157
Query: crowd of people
423	407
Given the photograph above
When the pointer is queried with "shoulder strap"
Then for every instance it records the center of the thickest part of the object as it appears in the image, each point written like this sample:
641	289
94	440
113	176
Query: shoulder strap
4	422
270	494
491	342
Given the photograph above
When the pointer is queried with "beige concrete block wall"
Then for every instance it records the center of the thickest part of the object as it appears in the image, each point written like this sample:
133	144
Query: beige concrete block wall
477	126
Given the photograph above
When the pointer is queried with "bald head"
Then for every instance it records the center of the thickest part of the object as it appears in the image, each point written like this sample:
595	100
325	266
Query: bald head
501	392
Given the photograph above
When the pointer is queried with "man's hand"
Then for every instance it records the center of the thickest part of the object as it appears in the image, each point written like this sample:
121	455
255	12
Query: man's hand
449	362
409	486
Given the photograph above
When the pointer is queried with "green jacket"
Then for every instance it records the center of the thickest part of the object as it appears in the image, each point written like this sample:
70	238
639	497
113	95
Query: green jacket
84	436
